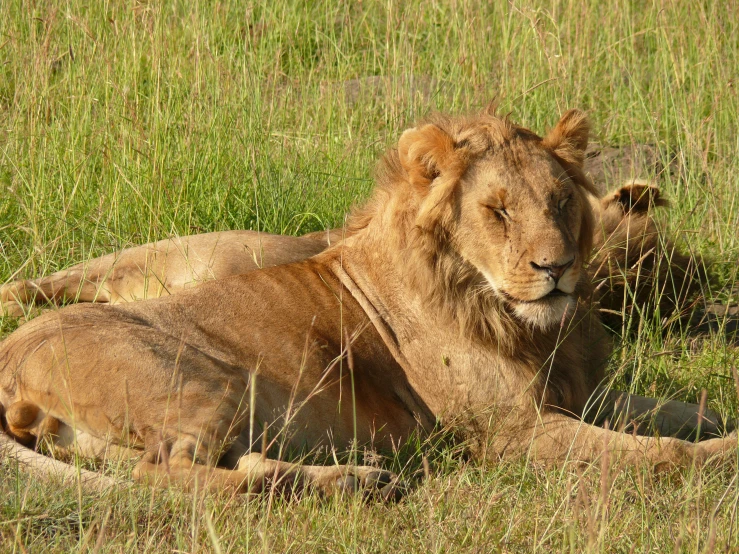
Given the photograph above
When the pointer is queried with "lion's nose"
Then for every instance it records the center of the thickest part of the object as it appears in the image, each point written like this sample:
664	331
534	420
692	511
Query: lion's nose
553	271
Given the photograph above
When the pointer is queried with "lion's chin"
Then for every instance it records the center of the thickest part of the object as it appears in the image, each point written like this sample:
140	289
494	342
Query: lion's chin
546	312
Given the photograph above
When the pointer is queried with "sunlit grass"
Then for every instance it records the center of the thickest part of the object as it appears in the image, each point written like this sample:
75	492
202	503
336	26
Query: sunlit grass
125	123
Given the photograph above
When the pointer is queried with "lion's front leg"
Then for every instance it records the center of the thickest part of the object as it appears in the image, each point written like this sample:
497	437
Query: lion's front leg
264	472
257	474
557	438
653	416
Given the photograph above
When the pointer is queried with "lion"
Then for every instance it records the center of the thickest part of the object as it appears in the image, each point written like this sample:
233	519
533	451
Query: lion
635	267
457	294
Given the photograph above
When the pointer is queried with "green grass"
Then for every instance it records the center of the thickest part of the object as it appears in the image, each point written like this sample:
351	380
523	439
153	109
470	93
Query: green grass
122	123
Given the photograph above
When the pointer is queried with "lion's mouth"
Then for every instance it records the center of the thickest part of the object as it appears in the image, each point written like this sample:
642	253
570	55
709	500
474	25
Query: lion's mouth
542	312
551	295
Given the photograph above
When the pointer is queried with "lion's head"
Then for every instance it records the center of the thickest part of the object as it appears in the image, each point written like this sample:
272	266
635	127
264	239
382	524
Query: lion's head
498	215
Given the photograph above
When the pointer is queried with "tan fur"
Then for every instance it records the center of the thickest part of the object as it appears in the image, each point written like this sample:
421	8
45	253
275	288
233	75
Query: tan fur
458	295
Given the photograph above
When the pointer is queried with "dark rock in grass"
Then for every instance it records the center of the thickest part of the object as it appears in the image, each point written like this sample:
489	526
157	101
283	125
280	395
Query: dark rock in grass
408	86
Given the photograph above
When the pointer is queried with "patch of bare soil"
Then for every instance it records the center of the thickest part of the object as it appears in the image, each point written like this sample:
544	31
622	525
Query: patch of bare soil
609	166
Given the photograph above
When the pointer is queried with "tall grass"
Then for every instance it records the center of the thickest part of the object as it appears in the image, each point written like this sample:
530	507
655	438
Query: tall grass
122	123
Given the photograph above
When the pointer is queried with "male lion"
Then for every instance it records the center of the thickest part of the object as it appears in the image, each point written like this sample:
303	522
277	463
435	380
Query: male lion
457	295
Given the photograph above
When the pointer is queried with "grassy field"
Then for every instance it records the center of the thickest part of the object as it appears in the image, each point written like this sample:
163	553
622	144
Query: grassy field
122	123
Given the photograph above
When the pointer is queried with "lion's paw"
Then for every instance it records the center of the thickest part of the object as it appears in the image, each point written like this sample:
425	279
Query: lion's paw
373	483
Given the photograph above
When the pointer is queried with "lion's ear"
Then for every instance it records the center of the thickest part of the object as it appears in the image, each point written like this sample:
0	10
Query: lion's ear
569	138
636	196
425	152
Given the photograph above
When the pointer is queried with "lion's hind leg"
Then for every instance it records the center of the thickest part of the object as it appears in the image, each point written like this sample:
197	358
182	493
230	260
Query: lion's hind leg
76	284
17	297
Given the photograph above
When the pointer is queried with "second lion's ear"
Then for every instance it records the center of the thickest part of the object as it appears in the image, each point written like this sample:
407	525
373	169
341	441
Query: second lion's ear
636	196
425	152
569	138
